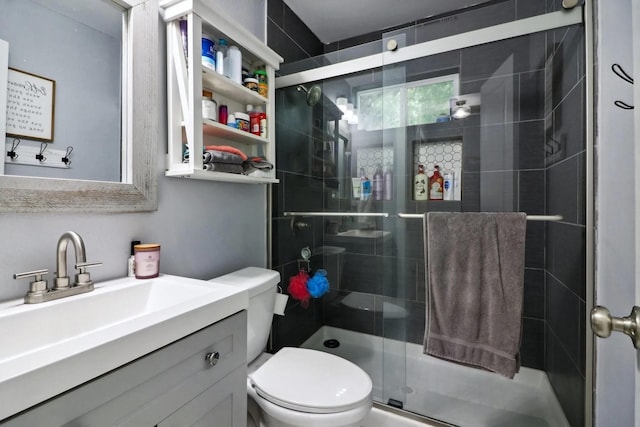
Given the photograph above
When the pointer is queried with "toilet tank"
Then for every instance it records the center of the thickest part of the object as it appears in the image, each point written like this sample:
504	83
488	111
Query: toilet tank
261	285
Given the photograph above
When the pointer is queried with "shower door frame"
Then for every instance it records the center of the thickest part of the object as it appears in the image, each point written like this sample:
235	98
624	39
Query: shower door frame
496	33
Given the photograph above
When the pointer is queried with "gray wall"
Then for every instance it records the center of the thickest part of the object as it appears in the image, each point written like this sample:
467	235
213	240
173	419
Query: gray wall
82	62
205	228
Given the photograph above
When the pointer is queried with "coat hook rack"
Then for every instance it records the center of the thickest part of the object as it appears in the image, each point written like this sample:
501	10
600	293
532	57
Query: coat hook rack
20	152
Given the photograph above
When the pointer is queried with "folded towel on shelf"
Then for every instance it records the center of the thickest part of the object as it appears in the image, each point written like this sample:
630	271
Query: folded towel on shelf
228	149
223	167
475	282
217	156
256	163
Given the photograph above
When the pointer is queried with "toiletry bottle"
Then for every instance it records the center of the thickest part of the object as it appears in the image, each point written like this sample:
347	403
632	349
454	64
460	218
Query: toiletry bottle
436	184
365	186
377	183
388	184
221	55
420	184
449	185
131	264
254	119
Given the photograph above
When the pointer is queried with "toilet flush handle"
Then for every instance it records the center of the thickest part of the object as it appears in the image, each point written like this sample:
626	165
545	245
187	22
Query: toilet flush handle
212	358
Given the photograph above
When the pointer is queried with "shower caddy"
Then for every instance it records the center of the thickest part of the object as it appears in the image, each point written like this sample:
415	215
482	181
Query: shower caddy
186	78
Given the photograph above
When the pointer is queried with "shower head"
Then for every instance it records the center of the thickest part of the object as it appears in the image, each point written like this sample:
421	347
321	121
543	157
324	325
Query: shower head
313	94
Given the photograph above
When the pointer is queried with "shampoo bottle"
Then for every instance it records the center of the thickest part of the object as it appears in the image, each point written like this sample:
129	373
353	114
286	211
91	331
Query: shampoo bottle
449	185
365	186
378	183
420	184
436	185
388	184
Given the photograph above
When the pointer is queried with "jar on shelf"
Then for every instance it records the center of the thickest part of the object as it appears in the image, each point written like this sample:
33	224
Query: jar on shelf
209	106
251	84
263	86
242	121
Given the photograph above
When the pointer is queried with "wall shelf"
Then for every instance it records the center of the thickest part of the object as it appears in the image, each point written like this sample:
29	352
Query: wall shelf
187	78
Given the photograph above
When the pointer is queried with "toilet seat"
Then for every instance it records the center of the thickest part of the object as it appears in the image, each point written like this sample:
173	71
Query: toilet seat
311	381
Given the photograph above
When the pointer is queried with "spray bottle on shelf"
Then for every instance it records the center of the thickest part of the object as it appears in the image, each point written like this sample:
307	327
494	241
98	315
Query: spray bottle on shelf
436	184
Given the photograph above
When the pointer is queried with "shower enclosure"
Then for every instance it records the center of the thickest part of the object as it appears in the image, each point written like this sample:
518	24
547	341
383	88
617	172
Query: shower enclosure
494	97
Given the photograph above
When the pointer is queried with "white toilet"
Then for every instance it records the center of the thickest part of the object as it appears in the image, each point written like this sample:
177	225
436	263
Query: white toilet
295	387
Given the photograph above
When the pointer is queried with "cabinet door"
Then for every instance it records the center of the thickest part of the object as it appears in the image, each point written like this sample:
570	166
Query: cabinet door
222	405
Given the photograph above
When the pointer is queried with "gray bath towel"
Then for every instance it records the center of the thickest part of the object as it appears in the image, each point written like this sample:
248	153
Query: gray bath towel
475	279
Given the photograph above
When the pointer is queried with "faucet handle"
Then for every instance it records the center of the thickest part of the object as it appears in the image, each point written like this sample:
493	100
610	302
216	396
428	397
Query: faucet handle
39	285
83	278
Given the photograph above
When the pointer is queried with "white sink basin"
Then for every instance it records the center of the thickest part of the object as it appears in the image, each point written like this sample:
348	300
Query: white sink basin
51	347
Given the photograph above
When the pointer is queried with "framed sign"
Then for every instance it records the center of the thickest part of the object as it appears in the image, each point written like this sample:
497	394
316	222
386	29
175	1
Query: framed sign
30	106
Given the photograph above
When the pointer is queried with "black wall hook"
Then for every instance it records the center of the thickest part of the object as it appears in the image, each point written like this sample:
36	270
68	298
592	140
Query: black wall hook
66	159
14	146
40	156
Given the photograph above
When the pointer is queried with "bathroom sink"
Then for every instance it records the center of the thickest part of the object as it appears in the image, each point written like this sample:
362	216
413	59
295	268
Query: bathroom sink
51	347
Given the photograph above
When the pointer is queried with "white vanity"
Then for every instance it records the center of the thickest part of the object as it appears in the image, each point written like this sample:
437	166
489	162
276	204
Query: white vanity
168	351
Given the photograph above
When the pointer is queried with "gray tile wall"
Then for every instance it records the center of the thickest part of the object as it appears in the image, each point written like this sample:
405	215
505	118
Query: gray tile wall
549	177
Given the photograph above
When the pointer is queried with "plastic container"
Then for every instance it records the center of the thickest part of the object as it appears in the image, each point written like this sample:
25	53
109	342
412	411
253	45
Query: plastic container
449	186
222	51
235	64
254	120
251	84
208	52
263	85
231	121
242	121
223	114
388	184
209	108
147	257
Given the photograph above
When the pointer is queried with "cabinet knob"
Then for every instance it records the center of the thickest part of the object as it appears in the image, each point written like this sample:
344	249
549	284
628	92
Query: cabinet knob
212	358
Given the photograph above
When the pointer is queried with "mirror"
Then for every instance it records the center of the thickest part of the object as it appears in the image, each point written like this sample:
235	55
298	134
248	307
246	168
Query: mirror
137	123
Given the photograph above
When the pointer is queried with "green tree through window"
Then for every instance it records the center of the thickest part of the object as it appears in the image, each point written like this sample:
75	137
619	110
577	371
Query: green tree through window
408	104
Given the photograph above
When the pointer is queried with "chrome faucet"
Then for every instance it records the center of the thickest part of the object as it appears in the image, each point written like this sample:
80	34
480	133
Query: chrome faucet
40	292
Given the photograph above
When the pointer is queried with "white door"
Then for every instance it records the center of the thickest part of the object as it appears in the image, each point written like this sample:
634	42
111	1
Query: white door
617	373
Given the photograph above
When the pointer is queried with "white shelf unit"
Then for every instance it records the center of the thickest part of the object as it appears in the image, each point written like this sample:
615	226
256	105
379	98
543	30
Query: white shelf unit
186	78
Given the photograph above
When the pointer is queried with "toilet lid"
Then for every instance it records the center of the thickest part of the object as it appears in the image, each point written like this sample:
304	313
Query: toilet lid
311	381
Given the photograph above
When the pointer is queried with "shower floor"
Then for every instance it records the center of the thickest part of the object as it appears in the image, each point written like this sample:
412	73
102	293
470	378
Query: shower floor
446	391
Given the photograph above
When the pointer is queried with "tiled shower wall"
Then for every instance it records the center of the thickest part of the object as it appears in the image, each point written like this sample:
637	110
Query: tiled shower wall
548	174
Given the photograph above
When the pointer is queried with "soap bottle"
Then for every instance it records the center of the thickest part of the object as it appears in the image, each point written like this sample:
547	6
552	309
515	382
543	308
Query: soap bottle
436	185
420	184
131	263
365	186
377	183
387	179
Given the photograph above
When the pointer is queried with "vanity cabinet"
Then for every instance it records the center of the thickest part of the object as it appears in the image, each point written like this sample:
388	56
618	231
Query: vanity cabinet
187	78
177	385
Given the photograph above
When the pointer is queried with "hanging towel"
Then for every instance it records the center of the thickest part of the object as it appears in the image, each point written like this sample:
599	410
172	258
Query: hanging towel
475	280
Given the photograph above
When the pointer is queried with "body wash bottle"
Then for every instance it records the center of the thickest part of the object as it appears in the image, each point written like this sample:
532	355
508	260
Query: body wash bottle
131	263
420	184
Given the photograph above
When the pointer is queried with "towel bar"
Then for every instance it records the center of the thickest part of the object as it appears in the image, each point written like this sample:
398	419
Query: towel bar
529	217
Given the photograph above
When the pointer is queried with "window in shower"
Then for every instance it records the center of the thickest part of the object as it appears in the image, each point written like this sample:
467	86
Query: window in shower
408	104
